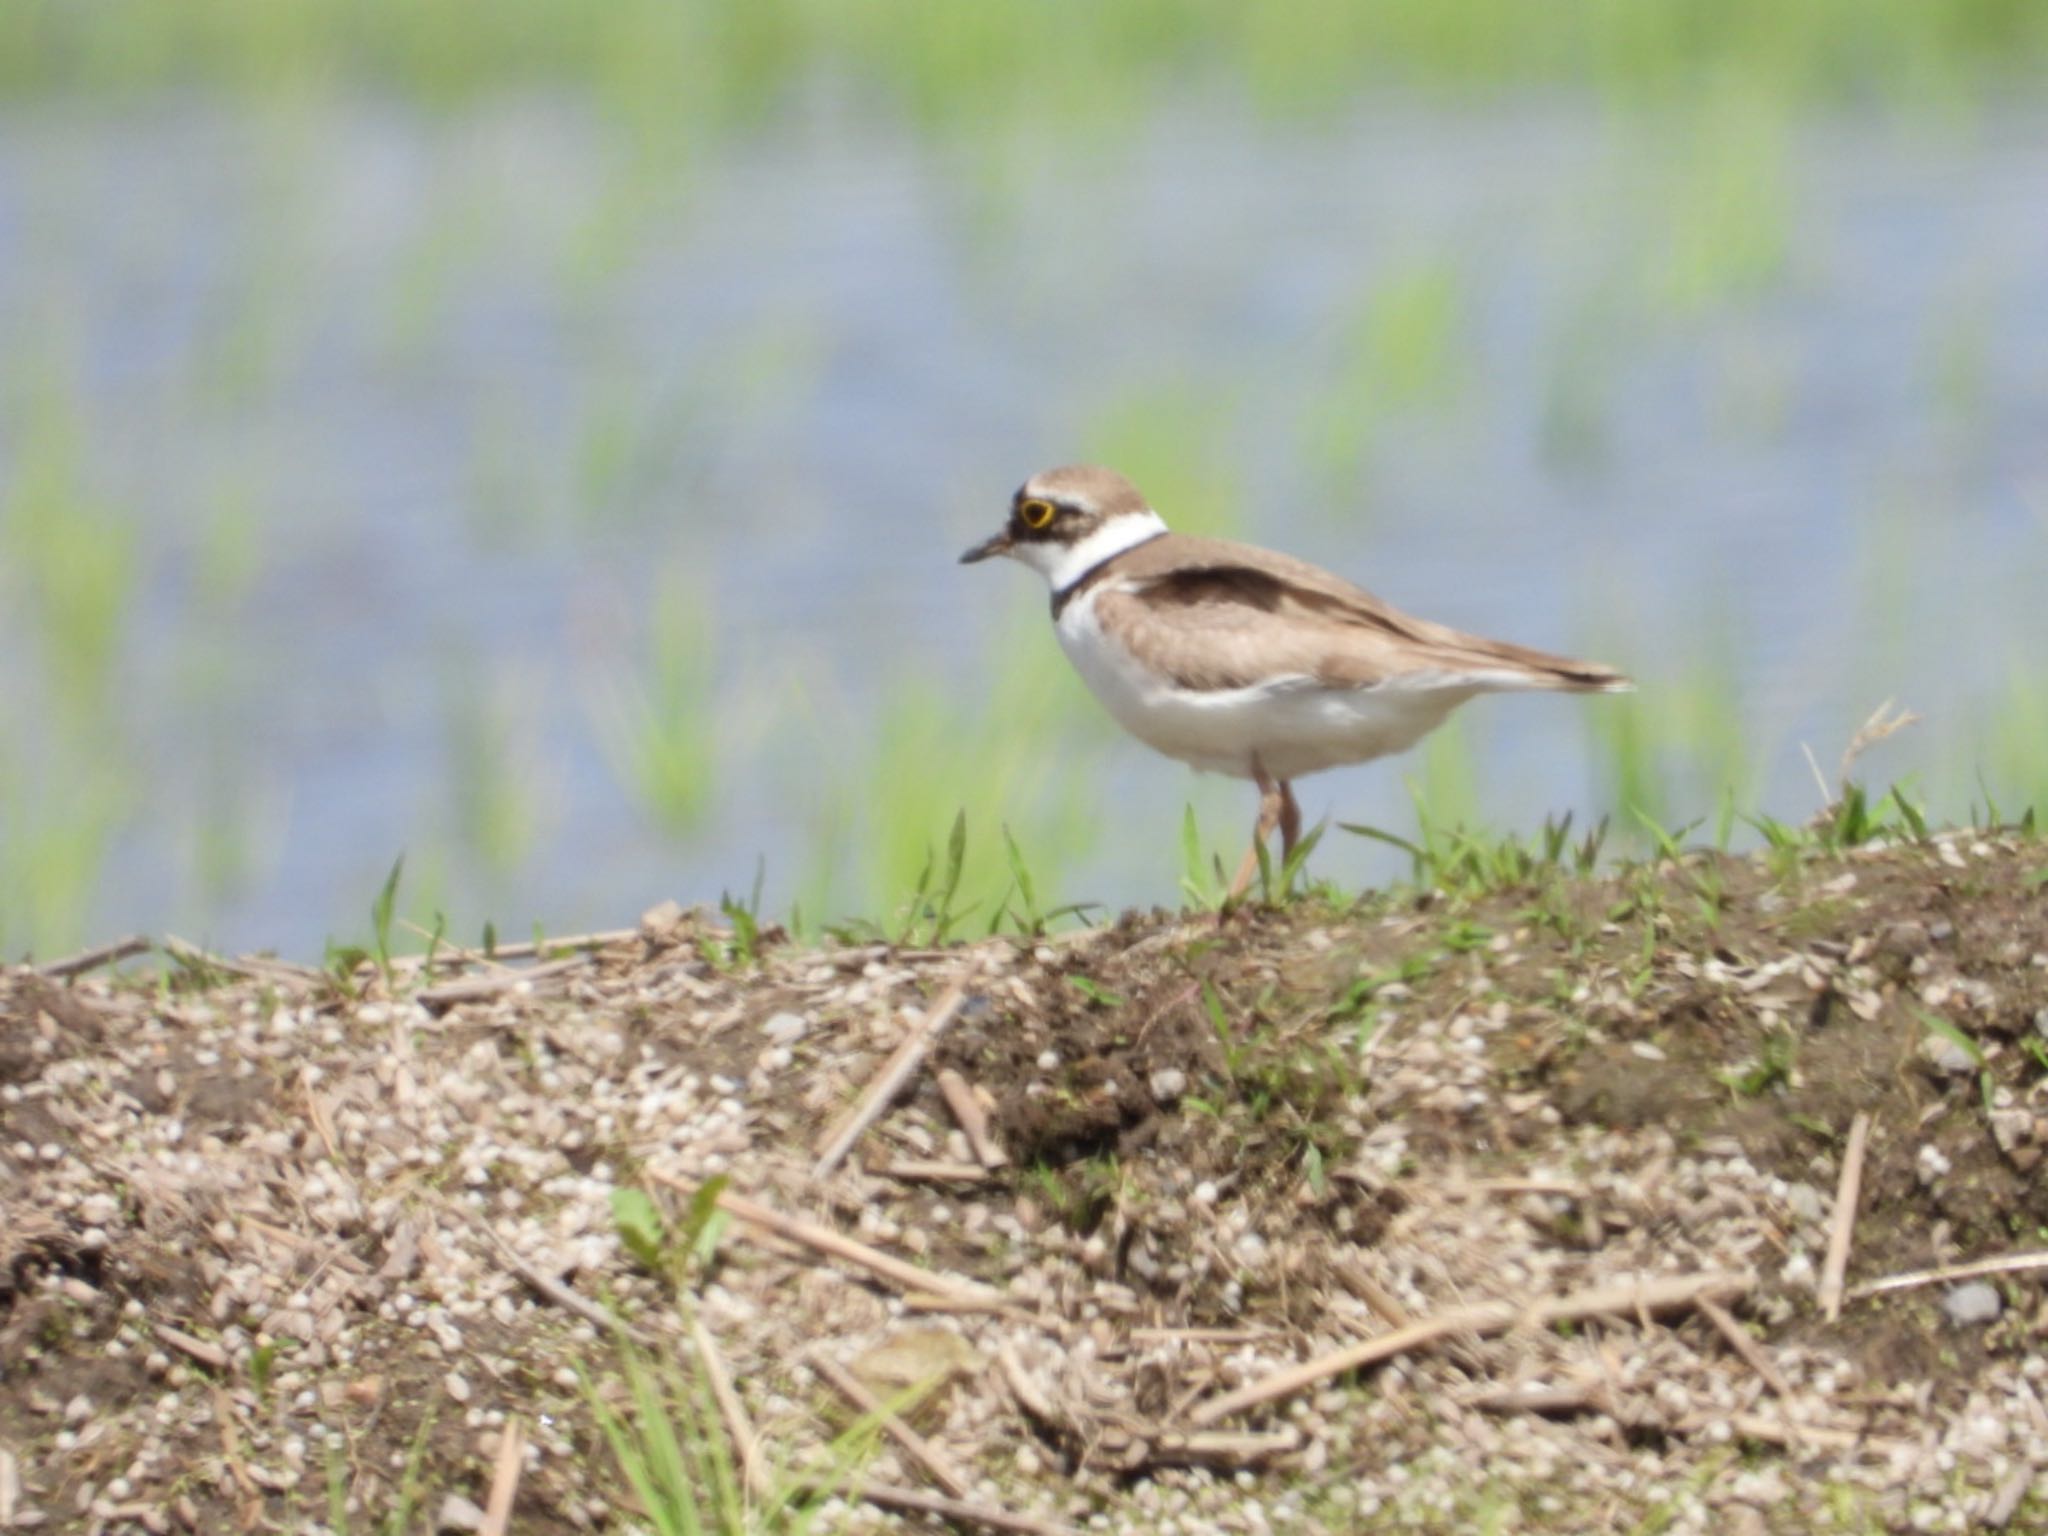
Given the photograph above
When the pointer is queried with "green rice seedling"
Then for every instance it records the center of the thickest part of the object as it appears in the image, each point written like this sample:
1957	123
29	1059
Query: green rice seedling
381	913
509	500
245	348
1025	914
1202	882
54	845
930	915
492	783
655	726
337	1487
1623	735
1581	363
1169	438
744	938
1280	887
677	77
2017	752
412	1482
673	1254
608	450
1029	920
1445	789
932	760
71	556
1959	357
1470	864
1770	1068
1940	1028
429	275
1095	991
1443	854
671	1445
1401	350
1886	584
230	552
1729	210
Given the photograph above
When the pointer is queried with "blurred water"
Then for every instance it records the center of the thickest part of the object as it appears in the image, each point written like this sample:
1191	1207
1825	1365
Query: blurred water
406	415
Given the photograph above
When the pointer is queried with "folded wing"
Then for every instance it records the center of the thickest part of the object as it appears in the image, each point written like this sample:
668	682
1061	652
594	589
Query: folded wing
1215	615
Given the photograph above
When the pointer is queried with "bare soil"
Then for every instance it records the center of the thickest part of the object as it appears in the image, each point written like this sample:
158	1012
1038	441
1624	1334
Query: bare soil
268	1239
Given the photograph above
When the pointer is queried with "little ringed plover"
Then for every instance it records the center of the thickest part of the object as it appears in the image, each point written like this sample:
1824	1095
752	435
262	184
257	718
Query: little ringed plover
1238	660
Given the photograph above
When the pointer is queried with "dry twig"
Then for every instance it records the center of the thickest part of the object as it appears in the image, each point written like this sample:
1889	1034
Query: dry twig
1200	1335
479	989
2007	1264
1204	1448
250	967
887	1082
1886	720
738	1427
920	1449
212	1356
92	959
1030	1396
553	1289
824	1240
581	942
920	1170
966	1107
1650	1296
505	1480
1753	1426
1543	1400
2004	1503
1843	1226
323	1123
915	1502
1753	1353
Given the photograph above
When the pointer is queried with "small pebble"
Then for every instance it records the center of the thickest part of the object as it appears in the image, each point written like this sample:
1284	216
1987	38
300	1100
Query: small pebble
1805	1202
1947	1056
1973	1305
785	1028
458	1514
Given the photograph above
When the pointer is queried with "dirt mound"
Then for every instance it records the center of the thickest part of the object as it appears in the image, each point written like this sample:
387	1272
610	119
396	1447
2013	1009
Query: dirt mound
280	1249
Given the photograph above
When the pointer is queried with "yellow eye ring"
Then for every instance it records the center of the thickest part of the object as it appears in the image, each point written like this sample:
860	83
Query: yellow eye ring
1035	514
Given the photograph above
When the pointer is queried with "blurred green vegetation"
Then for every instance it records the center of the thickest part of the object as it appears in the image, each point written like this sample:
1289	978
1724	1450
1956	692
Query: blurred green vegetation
1400	351
67	581
656	724
879	828
704	62
1711	91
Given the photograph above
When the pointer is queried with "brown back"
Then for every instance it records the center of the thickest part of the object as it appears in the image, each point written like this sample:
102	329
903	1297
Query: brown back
1217	615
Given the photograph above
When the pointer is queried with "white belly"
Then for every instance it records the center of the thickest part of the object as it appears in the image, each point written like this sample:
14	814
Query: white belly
1291	725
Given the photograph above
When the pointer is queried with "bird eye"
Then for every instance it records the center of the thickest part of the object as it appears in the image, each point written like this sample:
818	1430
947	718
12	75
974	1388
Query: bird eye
1035	514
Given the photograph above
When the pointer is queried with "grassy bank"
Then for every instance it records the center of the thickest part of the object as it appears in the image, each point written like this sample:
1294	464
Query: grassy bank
715	60
320	1249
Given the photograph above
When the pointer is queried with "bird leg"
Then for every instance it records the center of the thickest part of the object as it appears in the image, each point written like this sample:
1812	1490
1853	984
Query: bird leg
1274	798
1290	821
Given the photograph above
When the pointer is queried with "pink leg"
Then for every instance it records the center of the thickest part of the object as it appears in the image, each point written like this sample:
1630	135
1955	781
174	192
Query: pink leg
1273	800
